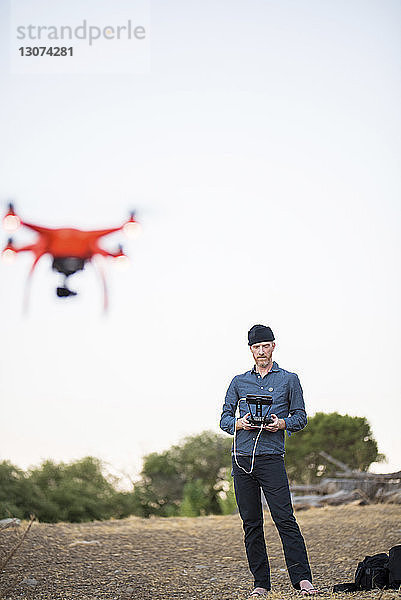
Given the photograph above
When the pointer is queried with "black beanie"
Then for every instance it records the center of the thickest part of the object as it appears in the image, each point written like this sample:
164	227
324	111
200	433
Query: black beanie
260	333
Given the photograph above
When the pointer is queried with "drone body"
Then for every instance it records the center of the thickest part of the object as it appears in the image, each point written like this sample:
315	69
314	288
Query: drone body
70	248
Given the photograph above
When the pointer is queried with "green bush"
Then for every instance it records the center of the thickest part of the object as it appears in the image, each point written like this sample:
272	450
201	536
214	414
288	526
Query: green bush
227	502
185	479
54	492
16	491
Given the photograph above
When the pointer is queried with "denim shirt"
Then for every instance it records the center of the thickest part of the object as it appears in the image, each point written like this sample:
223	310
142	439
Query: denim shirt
288	404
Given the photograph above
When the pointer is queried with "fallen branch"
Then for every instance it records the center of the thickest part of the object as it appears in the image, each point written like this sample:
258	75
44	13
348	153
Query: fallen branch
346	471
4	523
336	462
340	497
306	489
17	545
376	476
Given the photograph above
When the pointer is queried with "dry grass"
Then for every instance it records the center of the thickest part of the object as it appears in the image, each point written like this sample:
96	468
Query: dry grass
189	559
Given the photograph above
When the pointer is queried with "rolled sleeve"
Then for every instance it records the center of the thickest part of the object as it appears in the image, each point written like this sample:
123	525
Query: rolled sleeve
297	415
227	421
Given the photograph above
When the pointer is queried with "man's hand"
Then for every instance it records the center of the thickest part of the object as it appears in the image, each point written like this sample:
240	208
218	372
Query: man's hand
243	423
275	425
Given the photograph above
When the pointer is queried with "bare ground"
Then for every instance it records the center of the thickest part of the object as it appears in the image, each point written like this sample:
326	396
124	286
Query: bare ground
188	558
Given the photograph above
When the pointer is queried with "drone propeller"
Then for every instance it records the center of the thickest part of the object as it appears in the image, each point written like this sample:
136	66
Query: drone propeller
9	252
11	220
132	228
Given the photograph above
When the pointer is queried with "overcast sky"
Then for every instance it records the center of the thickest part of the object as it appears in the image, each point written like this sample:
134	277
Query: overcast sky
260	145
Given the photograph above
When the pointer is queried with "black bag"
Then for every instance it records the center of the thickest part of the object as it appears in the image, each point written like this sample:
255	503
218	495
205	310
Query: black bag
372	572
394	566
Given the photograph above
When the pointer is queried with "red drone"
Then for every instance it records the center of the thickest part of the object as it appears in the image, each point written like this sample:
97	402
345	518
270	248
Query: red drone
70	248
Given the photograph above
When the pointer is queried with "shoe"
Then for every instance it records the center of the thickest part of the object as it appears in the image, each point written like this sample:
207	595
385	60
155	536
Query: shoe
259	593
310	592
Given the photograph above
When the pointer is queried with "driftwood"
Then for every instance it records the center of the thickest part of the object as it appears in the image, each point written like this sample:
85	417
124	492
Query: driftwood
340	497
306	489
391	497
348	472
378	476
347	486
12	522
345	468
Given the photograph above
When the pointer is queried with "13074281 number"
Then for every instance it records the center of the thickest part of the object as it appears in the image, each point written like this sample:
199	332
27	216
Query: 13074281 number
43	50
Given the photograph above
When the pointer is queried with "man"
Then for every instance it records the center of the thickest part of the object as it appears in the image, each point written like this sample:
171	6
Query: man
262	466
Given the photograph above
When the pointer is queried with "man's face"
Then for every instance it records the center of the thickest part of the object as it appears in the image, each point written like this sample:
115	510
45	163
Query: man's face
262	353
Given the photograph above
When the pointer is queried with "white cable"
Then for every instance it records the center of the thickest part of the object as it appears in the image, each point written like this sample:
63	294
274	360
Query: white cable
254	449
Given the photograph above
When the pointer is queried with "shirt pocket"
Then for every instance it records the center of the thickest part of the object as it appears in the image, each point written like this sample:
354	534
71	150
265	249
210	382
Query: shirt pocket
280	401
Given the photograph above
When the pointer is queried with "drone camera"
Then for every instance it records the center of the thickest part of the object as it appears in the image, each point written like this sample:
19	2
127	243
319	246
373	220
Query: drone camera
63	292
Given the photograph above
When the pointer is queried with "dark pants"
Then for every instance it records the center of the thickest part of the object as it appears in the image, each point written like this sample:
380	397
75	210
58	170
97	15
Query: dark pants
270	475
